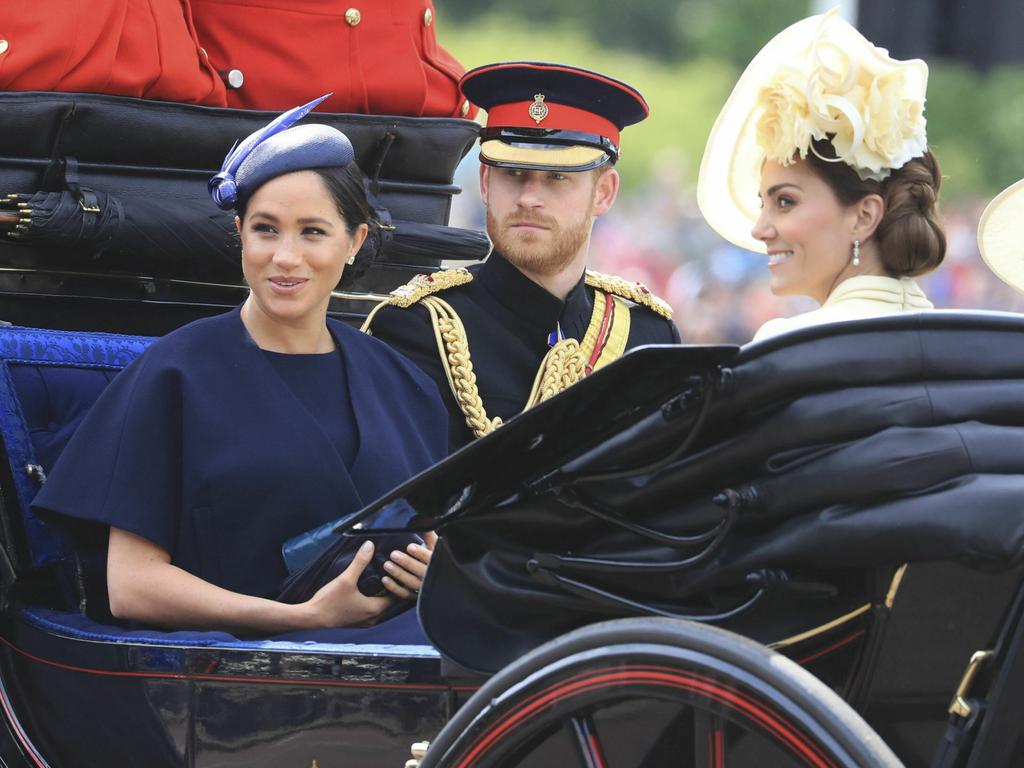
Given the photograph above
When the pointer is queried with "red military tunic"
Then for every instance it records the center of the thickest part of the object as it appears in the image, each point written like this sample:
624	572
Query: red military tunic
376	56
141	48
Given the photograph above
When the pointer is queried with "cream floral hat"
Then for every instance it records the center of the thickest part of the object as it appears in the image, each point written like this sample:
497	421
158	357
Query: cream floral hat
816	79
1001	235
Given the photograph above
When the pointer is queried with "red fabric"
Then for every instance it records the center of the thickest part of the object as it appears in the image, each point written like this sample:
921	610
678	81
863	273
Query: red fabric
291	51
141	48
560	117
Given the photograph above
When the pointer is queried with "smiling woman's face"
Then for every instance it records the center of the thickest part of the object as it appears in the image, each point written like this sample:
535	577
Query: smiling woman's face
295	245
807	232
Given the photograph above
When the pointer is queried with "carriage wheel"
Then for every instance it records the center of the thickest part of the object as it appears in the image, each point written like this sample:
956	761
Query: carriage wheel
652	693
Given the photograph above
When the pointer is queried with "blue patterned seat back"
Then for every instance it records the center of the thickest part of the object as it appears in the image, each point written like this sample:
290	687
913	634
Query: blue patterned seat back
48	381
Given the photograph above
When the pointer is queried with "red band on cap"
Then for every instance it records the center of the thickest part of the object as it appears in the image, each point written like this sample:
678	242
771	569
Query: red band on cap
559	118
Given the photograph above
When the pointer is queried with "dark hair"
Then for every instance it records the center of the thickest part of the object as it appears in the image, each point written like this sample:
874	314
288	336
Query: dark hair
910	237
347	187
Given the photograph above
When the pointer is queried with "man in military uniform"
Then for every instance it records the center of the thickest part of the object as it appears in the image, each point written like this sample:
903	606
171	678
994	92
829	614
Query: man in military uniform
502	336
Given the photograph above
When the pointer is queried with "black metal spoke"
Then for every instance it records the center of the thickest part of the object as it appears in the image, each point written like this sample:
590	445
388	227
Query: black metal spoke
708	740
587	743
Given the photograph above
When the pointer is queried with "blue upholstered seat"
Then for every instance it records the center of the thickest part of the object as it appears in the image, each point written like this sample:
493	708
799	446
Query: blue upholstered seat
48	381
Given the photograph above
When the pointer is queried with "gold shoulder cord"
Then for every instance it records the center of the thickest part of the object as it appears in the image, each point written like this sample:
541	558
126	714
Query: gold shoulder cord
636	292
562	366
450	335
453	347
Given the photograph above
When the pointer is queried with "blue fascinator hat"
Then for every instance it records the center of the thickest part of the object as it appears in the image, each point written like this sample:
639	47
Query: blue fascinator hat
276	149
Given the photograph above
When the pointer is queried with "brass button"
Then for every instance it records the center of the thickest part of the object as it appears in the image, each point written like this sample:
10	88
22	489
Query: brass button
4	45
428	17
353	16
465	107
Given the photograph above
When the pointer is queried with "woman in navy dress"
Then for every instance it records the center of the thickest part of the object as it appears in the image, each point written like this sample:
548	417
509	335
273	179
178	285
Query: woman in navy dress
237	432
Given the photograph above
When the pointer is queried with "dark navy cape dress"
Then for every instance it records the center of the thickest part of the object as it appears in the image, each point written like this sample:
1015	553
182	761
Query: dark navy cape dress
201	447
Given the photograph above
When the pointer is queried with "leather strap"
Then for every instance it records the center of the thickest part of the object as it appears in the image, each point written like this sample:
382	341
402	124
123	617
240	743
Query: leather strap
990	734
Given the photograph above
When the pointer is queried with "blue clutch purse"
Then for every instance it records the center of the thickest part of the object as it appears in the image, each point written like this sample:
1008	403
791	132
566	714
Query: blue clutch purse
315	557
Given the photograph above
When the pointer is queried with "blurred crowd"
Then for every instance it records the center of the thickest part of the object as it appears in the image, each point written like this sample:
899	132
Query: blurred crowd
656	235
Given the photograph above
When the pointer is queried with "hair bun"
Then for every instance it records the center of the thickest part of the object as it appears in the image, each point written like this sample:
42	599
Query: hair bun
911	238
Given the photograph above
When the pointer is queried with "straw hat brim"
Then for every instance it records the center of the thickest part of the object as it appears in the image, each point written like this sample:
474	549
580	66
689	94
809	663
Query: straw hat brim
730	171
1001	235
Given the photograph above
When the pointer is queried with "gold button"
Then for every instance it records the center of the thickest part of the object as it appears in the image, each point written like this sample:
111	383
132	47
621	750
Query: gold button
353	16
465	107
4	45
428	17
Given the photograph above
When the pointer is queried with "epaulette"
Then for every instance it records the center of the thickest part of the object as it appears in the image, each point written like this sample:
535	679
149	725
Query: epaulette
424	285
636	292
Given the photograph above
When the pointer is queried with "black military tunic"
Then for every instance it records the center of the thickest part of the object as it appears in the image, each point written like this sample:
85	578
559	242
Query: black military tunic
508	320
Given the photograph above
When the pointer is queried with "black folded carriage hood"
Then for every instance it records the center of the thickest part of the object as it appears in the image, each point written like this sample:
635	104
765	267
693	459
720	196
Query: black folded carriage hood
695	481
114	214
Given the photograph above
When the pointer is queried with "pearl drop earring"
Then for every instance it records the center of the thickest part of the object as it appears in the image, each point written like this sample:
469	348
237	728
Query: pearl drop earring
856	253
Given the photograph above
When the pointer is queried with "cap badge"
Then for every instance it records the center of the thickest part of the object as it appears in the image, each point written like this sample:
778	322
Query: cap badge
538	110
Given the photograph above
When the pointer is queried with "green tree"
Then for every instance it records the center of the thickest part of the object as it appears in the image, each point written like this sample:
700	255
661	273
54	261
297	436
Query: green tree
734	30
974	119
669	30
685	97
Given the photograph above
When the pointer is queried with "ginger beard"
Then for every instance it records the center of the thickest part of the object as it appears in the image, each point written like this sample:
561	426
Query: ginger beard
540	252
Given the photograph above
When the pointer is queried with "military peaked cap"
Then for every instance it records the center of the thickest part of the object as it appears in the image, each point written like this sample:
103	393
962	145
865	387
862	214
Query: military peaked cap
543	116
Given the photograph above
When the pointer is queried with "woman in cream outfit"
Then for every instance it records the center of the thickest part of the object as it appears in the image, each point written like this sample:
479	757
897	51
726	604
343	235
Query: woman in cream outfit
820	159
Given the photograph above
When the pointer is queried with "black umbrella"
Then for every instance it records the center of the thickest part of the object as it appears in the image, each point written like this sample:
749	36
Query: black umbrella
187	238
405	241
180	238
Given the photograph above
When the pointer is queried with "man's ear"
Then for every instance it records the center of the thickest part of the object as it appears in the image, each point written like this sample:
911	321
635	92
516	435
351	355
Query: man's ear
485	176
606	188
238	225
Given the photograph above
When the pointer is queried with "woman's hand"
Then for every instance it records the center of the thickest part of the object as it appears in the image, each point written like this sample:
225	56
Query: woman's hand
339	603
407	569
